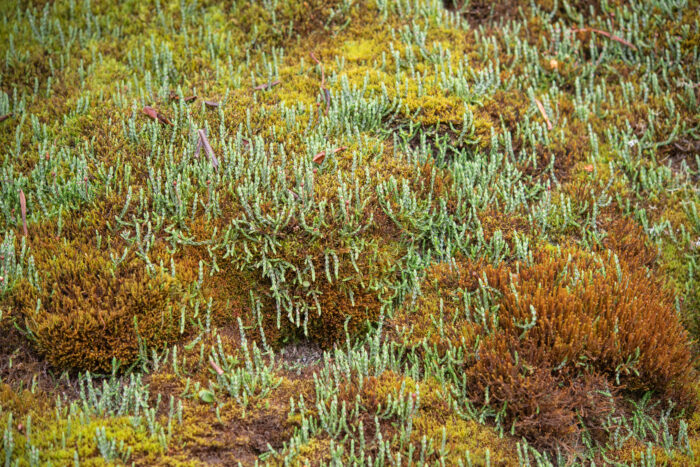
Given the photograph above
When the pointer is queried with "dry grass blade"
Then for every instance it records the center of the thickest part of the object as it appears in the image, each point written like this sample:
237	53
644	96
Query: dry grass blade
207	148
544	114
23	210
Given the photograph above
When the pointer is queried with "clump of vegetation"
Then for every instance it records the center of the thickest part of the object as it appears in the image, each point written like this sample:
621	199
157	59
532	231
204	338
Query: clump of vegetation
84	314
583	327
554	341
351	232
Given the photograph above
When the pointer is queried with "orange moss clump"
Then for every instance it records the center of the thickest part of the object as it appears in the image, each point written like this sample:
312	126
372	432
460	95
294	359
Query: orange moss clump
85	312
598	328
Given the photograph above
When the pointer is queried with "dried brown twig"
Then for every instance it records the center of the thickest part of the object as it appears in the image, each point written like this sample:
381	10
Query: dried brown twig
608	35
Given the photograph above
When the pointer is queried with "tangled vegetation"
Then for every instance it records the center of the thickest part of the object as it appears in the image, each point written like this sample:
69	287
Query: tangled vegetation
350	232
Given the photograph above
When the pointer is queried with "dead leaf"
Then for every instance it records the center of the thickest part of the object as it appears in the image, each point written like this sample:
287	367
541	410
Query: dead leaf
151	112
207	148
23	210
175	97
155	115
544	114
211	103
318	158
216	367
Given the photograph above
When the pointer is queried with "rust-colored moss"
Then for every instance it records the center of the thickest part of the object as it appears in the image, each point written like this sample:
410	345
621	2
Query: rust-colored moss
85	312
593	330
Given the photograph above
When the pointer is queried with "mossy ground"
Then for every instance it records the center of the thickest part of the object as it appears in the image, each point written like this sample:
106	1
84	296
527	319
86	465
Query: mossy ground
414	232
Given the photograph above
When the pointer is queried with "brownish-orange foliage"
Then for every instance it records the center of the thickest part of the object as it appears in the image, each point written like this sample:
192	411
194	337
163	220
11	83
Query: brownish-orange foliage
602	329
85	311
598	327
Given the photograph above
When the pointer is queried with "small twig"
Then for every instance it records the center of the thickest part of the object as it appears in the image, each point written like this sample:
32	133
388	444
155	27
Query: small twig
608	35
6	116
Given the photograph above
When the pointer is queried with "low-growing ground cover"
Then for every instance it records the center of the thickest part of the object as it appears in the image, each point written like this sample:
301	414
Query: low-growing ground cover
382	232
